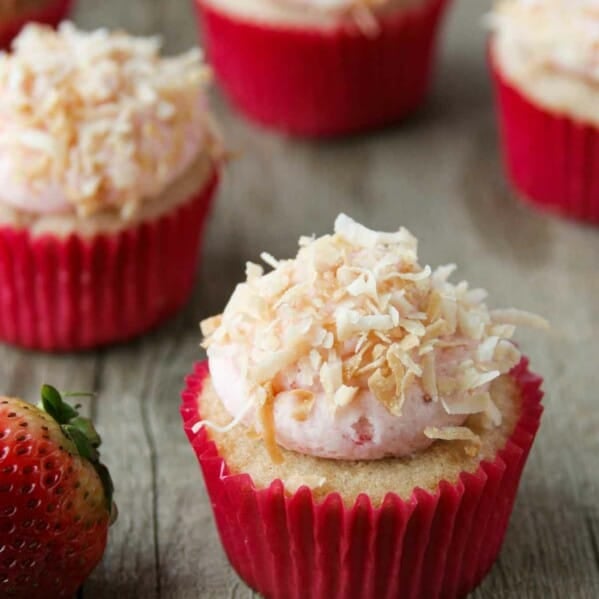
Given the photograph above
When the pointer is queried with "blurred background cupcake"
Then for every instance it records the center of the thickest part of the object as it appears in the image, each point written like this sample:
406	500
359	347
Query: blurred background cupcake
362	422
322	67
108	162
544	56
14	14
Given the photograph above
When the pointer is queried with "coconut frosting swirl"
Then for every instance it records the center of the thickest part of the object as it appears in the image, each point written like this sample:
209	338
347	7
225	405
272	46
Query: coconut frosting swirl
562	35
353	350
95	121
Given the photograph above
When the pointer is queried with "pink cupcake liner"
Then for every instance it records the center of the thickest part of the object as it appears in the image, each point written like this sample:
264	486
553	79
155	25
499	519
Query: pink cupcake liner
551	159
51	12
74	293
310	82
290	546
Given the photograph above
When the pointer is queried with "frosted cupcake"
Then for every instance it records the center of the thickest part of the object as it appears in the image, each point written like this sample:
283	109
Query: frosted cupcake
545	61
322	67
362	422
14	14
107	167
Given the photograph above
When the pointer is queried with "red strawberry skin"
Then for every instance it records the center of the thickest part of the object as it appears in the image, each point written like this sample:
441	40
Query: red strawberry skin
54	517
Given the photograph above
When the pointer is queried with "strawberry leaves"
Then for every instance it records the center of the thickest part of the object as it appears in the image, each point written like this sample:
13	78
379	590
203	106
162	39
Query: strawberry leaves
53	405
81	432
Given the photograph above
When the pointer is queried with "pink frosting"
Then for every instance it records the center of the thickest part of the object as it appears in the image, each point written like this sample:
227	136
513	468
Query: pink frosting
362	430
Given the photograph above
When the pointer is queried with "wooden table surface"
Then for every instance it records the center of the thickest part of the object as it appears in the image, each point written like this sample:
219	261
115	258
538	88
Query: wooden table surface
440	176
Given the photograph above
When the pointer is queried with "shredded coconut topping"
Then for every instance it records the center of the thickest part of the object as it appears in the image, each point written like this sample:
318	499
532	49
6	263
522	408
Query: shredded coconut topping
354	311
556	34
100	118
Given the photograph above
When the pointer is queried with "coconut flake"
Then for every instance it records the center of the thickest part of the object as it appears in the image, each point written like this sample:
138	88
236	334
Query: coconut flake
519	318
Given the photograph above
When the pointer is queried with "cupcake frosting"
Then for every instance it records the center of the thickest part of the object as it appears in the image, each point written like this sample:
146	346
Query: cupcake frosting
557	34
353	350
551	49
96	121
316	12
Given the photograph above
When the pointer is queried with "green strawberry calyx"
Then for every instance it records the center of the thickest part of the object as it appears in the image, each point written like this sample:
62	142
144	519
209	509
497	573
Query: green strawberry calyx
81	432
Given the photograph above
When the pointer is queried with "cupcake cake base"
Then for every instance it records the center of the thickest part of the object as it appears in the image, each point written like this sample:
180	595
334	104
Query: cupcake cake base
551	159
290	540
323	82
79	292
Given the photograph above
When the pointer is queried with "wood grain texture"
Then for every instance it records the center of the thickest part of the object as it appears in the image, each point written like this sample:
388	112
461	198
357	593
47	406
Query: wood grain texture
438	174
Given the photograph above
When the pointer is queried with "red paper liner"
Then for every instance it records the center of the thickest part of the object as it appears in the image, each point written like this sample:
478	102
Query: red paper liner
74	293
551	159
290	546
51	12
313	82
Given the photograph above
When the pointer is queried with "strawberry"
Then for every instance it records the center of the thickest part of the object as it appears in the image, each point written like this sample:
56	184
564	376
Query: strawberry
55	498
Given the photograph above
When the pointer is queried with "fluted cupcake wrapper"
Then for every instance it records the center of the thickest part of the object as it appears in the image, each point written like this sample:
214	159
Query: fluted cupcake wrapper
74	293
51	12
290	546
551	160
321	82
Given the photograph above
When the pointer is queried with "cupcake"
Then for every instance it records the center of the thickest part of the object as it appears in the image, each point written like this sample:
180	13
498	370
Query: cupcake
544	56
108	162
322	67
14	14
361	422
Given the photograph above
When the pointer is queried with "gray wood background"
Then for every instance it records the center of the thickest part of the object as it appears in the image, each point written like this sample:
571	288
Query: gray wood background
439	175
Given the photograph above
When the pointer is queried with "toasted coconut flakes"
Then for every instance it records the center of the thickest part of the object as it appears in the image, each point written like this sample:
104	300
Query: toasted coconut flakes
359	235
331	376
306	240
471	378
408	343
466	404
519	318
363	296
435	330
350	322
304	402
224	429
449	309
433	308
452	433
506	351
315	360
442	273
382	337
275	362
364	285
421	275
269	259
344	395
414	327
383	388
394	315
328	340
471	324
493	412
486	349
210	325
503	330
399	300
101	116
410	364
429	375
253	271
